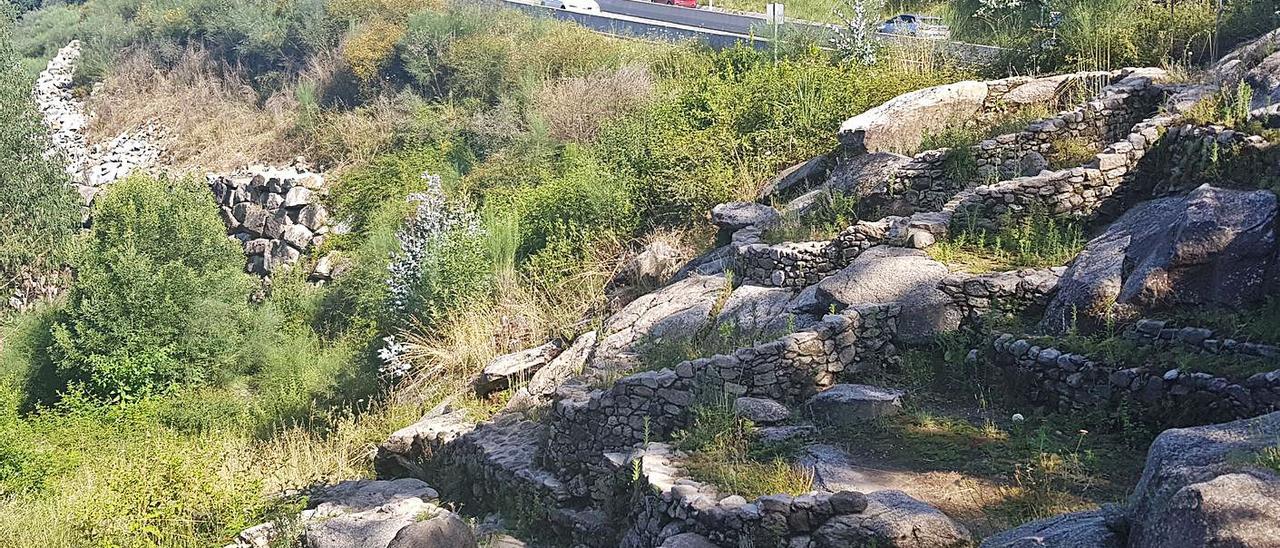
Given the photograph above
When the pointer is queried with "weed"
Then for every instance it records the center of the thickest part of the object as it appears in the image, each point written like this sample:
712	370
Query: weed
722	451
1270	458
1035	240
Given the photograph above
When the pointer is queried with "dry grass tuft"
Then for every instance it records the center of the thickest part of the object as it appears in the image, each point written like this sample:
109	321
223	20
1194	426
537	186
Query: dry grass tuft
574	108
213	121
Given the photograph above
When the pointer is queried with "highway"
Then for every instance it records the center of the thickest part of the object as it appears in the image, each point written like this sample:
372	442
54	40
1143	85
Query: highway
700	18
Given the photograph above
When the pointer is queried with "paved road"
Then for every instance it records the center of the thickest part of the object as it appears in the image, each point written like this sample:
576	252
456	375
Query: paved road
706	19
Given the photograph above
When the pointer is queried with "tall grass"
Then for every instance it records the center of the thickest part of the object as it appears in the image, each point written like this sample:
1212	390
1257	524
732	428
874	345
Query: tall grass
1032	241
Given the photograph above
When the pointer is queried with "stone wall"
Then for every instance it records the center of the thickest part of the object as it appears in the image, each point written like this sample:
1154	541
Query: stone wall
91	166
1100	186
674	503
1161	334
1130	97
1075	383
801	264
975	296
585	423
1190	155
274	212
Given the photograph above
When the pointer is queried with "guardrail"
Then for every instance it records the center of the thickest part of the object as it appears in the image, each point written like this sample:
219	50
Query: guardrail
652	21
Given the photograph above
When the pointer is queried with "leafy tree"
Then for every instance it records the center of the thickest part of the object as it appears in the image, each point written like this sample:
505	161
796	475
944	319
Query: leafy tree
38	211
160	295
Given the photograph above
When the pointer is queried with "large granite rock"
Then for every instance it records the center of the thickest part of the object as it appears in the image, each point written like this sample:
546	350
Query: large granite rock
1211	247
796	179
844	404
908	277
367	513
567	364
514	368
757	311
442	531
899	124
1201	487
677	310
892	520
1257	62
733	216
762	411
1093	528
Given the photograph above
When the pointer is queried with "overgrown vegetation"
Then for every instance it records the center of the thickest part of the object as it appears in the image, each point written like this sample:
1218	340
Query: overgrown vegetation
38	212
1033	240
723	452
203	404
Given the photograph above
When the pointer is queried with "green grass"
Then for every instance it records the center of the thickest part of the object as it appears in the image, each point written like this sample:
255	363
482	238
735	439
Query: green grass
1119	351
836	213
1045	465
1269	458
1035	241
724	452
1070	153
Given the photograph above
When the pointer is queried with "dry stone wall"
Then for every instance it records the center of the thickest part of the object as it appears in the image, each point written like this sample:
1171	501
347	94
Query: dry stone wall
91	166
801	264
274	212
1075	383
975	296
1128	97
1191	155
651	405
674	504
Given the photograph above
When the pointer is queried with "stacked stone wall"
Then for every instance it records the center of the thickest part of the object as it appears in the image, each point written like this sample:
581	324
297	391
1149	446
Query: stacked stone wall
674	503
275	213
925	182
976	296
1071	382
801	264
652	405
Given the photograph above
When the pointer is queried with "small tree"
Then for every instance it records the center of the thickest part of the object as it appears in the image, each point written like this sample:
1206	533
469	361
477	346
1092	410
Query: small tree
38	210
159	299
856	38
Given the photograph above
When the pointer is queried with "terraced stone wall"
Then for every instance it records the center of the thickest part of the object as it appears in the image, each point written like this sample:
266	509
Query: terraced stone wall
1075	383
975	296
674	503
925	182
801	264
652	405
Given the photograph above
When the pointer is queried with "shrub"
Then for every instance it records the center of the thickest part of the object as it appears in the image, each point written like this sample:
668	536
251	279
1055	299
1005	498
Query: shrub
580	205
572	107
159	298
361	192
38	211
370	47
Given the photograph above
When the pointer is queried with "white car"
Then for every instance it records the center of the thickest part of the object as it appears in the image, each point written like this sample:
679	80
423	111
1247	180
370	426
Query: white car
580	6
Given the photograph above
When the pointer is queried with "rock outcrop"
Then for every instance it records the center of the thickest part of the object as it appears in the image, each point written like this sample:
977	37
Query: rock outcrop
900	124
1203	487
899	275
398	513
1212	247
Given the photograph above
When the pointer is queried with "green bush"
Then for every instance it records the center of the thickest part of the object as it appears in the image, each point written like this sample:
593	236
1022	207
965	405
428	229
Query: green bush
38	211
724	129
362	192
581	204
160	297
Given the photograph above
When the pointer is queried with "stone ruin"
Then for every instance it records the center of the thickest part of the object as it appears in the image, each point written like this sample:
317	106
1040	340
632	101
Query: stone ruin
275	213
91	166
583	448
